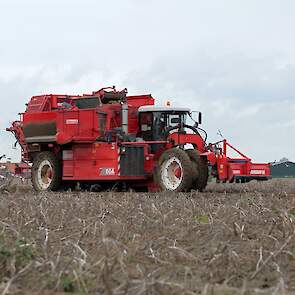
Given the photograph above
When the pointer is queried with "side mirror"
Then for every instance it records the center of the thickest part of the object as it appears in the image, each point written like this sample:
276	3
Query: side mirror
200	118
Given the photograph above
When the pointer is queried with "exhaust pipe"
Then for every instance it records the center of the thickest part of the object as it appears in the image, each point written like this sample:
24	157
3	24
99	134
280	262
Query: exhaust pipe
125	117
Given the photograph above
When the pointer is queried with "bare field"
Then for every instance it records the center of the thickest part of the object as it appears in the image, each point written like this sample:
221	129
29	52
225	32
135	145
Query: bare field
231	239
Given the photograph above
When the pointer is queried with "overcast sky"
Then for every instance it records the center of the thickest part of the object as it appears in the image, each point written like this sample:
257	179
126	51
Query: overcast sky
234	60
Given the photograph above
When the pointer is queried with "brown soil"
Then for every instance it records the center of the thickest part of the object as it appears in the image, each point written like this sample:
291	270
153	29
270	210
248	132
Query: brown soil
231	239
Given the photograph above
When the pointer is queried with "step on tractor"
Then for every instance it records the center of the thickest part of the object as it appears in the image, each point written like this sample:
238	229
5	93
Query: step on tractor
108	140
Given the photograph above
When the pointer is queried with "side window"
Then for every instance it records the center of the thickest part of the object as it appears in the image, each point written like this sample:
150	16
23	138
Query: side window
146	122
160	124
146	126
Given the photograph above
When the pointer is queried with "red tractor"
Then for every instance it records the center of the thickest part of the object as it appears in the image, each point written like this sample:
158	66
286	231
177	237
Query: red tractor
108	139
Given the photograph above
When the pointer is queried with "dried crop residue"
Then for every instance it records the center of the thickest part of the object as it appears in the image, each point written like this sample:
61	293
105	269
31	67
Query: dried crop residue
232	239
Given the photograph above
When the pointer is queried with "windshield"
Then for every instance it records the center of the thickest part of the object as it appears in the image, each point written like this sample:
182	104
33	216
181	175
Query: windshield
154	125
169	119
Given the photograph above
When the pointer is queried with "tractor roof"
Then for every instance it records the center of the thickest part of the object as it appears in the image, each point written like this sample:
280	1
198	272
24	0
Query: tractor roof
149	108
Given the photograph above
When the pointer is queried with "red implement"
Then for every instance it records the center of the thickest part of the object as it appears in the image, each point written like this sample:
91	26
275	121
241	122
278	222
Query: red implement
109	139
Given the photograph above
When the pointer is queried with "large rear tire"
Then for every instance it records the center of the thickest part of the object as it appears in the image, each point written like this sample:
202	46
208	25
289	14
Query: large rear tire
46	172
174	171
201	171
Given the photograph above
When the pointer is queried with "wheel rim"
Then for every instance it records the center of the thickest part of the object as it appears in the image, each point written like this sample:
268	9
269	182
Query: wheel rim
172	173
45	174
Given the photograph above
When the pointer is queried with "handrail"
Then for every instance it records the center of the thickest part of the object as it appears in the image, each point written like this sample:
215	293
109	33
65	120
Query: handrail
224	149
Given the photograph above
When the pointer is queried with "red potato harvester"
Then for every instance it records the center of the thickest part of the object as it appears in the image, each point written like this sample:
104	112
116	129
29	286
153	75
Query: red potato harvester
109	139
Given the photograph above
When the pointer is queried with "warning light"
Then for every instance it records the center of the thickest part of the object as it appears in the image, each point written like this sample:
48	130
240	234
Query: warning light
168	104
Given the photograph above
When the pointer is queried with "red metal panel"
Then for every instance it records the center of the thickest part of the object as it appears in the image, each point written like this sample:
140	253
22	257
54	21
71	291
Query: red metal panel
97	161
260	170
222	168
194	139
68	168
68	163
88	123
134	102
36	104
237	169
133	126
140	100
70	122
77	125
37	117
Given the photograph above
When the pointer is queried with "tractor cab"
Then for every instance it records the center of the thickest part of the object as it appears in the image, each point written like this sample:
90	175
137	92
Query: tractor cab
155	123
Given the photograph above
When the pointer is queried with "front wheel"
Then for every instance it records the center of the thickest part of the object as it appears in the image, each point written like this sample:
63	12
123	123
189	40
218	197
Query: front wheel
201	172
174	172
46	172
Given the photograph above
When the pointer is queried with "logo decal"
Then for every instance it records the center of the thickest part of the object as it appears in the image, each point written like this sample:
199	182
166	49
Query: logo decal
72	121
236	171
107	171
257	172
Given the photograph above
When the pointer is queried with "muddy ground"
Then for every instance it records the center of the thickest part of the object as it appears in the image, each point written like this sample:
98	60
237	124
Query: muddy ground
231	239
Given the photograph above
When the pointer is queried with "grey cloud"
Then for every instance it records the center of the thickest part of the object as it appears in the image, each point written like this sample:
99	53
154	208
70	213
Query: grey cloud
247	107
236	77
